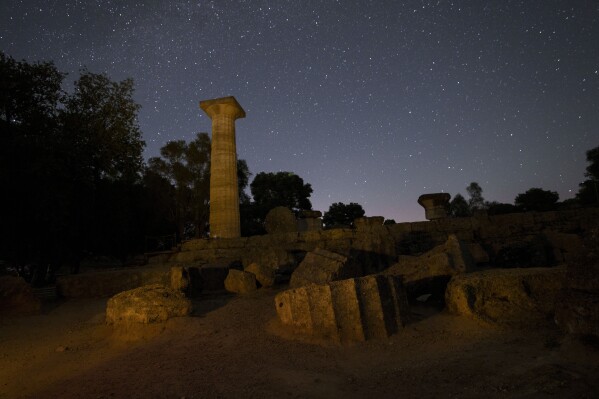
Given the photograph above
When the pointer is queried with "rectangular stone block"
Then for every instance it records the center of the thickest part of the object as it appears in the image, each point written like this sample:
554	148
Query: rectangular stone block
347	310
371	308
321	311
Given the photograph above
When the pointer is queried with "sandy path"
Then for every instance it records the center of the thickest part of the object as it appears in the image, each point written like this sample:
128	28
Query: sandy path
233	348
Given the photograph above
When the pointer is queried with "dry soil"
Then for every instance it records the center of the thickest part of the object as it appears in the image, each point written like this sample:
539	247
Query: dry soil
233	347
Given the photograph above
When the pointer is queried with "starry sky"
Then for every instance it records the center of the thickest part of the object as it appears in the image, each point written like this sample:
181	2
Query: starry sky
374	102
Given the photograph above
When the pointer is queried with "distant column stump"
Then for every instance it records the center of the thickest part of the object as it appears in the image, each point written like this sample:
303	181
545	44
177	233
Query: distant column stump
435	205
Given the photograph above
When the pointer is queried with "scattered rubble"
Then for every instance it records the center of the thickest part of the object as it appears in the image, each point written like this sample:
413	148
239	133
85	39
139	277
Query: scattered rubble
515	297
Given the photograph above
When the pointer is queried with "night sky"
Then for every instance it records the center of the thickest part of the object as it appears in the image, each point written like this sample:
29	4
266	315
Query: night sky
375	102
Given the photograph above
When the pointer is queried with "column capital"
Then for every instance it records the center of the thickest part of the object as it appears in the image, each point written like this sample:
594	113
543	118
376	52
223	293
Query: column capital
224	105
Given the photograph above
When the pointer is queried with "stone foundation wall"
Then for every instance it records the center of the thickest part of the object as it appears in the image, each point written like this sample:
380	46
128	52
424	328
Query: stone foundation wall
555	231
543	239
109	283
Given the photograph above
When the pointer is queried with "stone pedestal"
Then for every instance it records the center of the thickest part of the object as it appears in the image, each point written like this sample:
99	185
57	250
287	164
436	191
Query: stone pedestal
435	205
224	192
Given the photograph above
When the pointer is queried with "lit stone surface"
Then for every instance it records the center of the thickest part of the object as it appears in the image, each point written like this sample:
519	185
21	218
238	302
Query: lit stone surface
224	195
435	205
372	307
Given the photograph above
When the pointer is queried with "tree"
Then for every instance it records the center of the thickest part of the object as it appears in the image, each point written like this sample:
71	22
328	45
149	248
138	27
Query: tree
458	207
588	192
243	179
476	200
68	161
340	214
30	95
101	141
287	189
187	167
537	199
101	127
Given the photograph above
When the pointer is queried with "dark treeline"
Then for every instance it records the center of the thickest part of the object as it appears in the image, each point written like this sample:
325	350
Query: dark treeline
70	166
74	184
534	199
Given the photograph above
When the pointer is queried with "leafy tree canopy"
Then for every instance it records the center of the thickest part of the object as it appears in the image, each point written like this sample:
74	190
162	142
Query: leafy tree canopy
476	200
81	152
458	206
588	192
100	120
187	167
537	199
340	214
287	189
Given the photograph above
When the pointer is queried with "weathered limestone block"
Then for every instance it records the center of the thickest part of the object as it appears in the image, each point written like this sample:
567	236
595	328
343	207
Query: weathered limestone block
506	296
240	282
448	259
373	246
435	205
280	220
265	275
348	310
309	221
179	278
321	266
273	257
148	304
17	297
368	222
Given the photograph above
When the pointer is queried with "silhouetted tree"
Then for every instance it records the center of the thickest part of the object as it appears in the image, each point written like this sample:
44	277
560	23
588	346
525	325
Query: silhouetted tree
588	192
458	206
498	208
32	203
187	167
537	199
287	189
476	200
389	222
243	179
67	160
340	214
101	141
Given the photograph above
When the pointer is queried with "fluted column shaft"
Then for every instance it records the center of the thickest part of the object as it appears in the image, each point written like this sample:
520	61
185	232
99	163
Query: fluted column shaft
224	192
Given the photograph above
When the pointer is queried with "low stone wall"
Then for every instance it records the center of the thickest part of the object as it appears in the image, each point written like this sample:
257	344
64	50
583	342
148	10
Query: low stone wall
549	237
109	283
494	233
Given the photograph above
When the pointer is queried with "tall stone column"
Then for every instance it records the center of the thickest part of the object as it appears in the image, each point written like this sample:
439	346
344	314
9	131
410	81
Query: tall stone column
224	192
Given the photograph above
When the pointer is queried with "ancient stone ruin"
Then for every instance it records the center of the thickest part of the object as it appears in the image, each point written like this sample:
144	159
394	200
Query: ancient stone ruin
504	269
224	194
435	205
346	310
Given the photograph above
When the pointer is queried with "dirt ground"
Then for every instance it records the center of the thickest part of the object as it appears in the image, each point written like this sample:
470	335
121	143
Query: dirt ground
233	347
